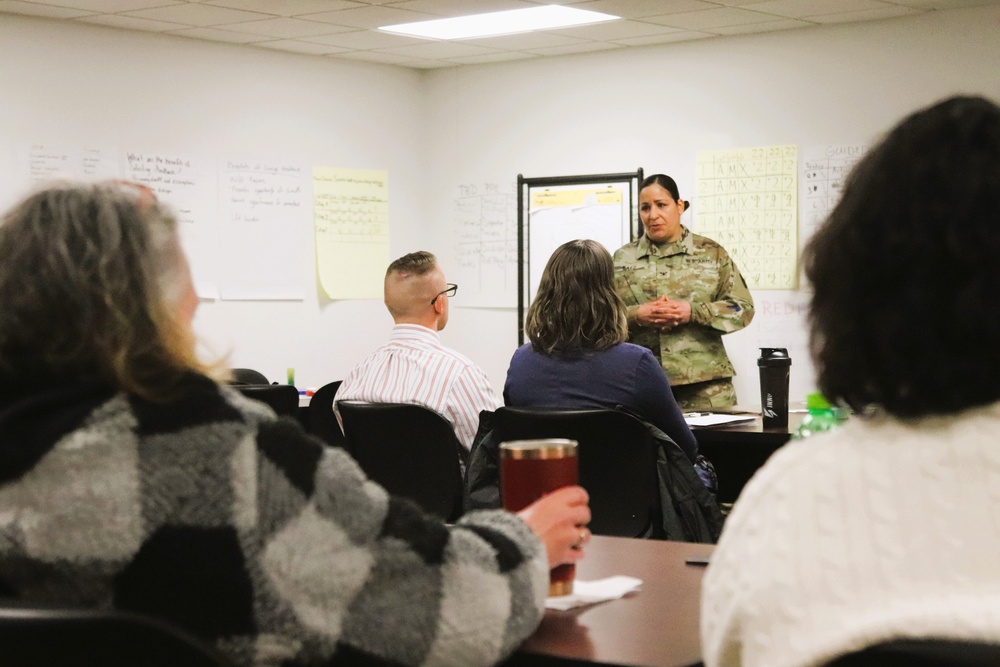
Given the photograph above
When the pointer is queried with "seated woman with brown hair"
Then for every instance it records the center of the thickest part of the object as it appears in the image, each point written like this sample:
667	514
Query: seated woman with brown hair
130	478
578	356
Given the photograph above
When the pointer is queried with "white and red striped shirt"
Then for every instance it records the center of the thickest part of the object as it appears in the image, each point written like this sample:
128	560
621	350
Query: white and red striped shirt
414	367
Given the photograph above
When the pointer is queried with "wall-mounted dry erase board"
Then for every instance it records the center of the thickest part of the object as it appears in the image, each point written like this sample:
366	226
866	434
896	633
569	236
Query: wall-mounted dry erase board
556	209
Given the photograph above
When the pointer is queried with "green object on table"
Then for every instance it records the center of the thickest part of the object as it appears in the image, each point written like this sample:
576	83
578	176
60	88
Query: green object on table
822	417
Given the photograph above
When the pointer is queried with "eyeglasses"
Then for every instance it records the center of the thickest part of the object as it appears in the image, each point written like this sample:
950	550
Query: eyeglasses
450	291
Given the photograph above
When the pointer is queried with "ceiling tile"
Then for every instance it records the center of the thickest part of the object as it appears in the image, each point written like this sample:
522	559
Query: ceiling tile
295	46
383	58
364	39
198	15
369	17
770	26
33	9
132	23
711	18
667	38
286	28
612	30
583	47
284	7
461	7
634	9
944	4
800	8
866	15
346	29
500	56
216	35
528	40
432	50
111	6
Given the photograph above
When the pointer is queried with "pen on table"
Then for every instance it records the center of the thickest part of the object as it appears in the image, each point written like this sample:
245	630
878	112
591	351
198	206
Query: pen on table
697	414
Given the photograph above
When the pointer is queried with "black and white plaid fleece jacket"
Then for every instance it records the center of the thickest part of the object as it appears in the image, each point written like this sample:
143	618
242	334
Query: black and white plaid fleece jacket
212	513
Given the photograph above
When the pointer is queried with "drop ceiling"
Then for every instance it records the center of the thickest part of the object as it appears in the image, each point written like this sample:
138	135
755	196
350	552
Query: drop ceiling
347	29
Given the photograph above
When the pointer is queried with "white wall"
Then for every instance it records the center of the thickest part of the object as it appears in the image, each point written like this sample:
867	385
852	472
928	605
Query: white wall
63	83
656	107
652	107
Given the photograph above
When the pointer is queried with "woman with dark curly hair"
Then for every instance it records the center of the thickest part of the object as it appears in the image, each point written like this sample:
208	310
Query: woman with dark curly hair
890	526
578	356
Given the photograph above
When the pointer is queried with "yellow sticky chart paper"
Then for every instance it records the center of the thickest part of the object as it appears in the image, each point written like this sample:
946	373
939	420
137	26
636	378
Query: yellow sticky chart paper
562	198
351	222
748	202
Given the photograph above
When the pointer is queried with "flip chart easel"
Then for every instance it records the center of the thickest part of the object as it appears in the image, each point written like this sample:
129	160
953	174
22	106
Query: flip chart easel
556	209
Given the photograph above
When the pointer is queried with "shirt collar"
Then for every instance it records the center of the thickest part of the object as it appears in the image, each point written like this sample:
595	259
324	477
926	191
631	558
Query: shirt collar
411	331
683	245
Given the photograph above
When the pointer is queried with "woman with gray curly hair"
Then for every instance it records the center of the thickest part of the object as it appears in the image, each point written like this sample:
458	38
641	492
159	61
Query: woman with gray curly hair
130	478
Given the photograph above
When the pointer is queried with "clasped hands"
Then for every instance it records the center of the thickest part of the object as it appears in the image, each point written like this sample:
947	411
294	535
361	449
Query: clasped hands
664	313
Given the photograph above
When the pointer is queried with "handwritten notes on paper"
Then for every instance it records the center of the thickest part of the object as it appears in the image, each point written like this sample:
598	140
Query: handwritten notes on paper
30	164
263	219
747	201
351	224
486	244
824	169
48	162
180	182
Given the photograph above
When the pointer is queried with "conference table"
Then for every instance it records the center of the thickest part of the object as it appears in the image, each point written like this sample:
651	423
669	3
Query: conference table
654	627
737	450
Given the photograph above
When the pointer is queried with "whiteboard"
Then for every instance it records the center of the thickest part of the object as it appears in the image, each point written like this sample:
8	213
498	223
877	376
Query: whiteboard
554	210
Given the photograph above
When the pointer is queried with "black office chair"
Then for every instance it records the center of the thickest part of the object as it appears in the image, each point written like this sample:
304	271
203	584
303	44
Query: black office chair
617	458
932	652
322	422
410	450
44	636
248	376
283	398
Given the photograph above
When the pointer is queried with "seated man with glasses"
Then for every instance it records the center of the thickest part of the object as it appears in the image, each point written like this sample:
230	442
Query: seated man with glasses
413	366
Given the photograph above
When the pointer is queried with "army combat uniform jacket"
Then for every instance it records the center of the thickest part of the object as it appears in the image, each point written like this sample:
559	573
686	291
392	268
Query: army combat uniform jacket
695	269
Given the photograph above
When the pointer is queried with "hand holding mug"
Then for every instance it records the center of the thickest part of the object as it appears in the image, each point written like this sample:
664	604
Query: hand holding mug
560	520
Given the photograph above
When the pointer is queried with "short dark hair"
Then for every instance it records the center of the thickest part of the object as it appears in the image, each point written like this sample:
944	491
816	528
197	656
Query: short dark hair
576	309
416	263
904	271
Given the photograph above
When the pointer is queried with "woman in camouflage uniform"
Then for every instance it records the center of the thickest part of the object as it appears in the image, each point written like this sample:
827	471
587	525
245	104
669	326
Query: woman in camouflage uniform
683	292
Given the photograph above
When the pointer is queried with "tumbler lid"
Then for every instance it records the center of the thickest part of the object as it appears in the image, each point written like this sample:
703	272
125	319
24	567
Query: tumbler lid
774	356
544	448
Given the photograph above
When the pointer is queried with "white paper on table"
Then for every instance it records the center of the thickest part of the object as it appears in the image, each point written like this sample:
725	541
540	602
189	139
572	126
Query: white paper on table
590	592
714	419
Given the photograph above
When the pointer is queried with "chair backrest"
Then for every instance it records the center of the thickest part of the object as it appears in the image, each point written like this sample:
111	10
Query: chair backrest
248	376
617	458
322	422
930	652
283	398
410	450
42	636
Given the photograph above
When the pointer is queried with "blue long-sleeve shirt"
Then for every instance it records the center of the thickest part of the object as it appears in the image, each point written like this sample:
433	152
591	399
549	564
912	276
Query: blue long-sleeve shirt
626	375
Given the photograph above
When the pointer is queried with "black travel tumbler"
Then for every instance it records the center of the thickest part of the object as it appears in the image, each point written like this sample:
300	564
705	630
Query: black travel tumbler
775	365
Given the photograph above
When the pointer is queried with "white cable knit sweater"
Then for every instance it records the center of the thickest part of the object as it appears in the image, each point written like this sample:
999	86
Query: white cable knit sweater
878	530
